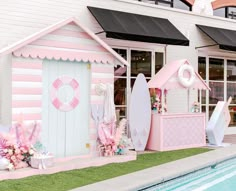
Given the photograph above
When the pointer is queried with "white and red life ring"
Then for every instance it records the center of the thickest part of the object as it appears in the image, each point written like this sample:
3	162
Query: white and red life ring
186	82
57	84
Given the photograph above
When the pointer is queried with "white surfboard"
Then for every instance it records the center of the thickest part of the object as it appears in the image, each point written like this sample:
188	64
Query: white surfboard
218	122
140	113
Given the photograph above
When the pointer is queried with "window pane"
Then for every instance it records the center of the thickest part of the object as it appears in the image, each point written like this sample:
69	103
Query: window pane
120	112
204	109
158	61
231	91
232	110
121	52
231	70
203	96
140	63
202	67
180	5
216	69
167	4
217	92
120	91
219	12
120	71
132	80
232	12
211	109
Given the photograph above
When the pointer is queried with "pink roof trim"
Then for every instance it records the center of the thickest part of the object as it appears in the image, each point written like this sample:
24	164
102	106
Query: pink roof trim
54	27
164	78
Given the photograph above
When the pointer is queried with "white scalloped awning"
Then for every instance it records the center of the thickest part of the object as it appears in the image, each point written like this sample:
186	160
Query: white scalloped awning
57	54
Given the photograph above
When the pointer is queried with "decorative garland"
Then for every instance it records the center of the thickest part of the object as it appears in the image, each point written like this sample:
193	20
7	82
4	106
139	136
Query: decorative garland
57	84
184	81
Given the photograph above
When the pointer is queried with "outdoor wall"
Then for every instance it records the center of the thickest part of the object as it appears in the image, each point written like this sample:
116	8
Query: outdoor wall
100	73
5	90
20	18
26	89
67	43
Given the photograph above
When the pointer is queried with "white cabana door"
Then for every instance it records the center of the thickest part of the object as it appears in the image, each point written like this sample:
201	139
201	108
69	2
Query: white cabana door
65	133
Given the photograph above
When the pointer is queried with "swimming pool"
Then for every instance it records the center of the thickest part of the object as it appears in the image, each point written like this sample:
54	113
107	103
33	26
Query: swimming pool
220	177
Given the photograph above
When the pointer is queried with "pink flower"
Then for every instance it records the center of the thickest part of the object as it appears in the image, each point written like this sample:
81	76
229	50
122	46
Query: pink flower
13	158
15	147
23	149
17	151
31	151
21	157
10	151
21	164
8	143
5	150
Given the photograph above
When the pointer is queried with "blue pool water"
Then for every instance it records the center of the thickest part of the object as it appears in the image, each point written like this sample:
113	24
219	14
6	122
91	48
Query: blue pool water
220	177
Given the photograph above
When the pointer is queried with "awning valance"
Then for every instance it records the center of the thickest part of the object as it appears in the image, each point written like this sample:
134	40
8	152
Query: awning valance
127	26
225	38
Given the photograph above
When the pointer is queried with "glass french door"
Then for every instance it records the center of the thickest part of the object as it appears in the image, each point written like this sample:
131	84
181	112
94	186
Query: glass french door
220	75
147	62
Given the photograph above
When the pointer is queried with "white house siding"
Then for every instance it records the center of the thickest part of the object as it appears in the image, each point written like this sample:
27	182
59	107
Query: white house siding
20	18
5	90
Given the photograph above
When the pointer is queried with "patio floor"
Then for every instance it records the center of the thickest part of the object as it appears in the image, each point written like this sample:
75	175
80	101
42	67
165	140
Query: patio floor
230	139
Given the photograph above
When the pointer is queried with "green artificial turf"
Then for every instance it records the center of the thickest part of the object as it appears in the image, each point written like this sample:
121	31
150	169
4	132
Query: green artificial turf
76	178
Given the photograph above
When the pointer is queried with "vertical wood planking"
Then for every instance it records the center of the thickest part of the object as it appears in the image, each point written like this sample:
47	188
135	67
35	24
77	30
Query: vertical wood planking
45	103
67	131
53	132
50	118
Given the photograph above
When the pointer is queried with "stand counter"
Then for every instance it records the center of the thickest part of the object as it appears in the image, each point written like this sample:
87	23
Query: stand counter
177	131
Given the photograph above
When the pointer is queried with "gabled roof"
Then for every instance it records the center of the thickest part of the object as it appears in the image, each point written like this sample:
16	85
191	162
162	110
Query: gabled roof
26	41
167	77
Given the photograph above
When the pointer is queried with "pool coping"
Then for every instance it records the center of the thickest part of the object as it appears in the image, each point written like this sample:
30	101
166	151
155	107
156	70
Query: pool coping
154	175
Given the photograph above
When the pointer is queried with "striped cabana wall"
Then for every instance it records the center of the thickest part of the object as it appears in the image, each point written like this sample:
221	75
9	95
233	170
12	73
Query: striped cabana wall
100	73
26	89
70	43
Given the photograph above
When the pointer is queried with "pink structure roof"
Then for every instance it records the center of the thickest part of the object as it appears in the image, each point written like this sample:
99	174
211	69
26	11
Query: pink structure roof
167	78
90	47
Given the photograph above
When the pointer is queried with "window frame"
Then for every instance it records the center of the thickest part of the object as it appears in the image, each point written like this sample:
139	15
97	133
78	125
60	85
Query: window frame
171	3
226	12
128	75
225	82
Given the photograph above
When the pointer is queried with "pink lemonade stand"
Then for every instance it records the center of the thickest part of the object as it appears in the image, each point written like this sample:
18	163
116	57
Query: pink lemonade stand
172	131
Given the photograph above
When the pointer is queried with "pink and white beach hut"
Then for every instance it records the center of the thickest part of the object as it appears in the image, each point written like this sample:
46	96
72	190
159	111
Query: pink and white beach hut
171	131
50	77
